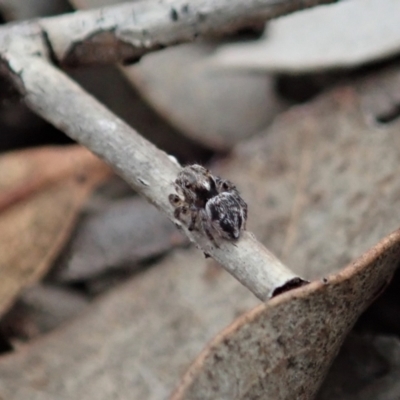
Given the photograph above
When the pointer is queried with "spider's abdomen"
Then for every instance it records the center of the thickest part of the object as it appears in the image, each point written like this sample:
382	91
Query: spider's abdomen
227	215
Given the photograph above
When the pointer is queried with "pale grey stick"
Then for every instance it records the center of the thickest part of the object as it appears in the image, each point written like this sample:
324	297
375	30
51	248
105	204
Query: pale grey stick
149	170
127	31
24	47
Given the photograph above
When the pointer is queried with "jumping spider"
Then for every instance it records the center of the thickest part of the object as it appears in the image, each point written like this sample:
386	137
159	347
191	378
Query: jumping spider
208	204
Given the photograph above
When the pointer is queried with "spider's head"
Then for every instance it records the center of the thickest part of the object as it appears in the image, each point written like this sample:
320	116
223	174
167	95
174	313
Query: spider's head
196	182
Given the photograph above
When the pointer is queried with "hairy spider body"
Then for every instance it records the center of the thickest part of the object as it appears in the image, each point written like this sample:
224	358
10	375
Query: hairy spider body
208	204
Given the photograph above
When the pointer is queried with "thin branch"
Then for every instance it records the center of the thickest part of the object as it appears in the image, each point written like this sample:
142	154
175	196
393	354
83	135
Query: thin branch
147	169
125	32
131	30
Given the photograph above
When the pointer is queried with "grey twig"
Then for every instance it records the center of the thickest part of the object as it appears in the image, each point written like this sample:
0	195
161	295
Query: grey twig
24	54
149	170
125	32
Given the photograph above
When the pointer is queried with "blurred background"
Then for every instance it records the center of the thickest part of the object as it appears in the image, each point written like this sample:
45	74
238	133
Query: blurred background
301	113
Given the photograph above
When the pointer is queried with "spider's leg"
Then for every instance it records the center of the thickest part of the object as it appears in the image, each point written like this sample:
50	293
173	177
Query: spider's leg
178	212
193	220
207	228
243	205
210	236
179	205
181	211
179	190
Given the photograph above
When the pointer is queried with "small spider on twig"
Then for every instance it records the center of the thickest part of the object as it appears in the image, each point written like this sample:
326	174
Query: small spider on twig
208	204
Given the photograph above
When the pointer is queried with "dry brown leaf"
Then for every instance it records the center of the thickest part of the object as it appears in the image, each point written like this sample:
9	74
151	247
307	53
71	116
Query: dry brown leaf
41	193
282	350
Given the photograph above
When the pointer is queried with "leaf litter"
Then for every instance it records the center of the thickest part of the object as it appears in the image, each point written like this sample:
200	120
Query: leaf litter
150	330
144	335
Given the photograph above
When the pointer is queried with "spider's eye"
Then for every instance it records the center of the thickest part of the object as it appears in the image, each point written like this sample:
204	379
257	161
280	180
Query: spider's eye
225	186
187	185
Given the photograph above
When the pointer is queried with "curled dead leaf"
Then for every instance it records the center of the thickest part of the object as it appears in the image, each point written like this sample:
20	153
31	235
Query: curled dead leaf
283	349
